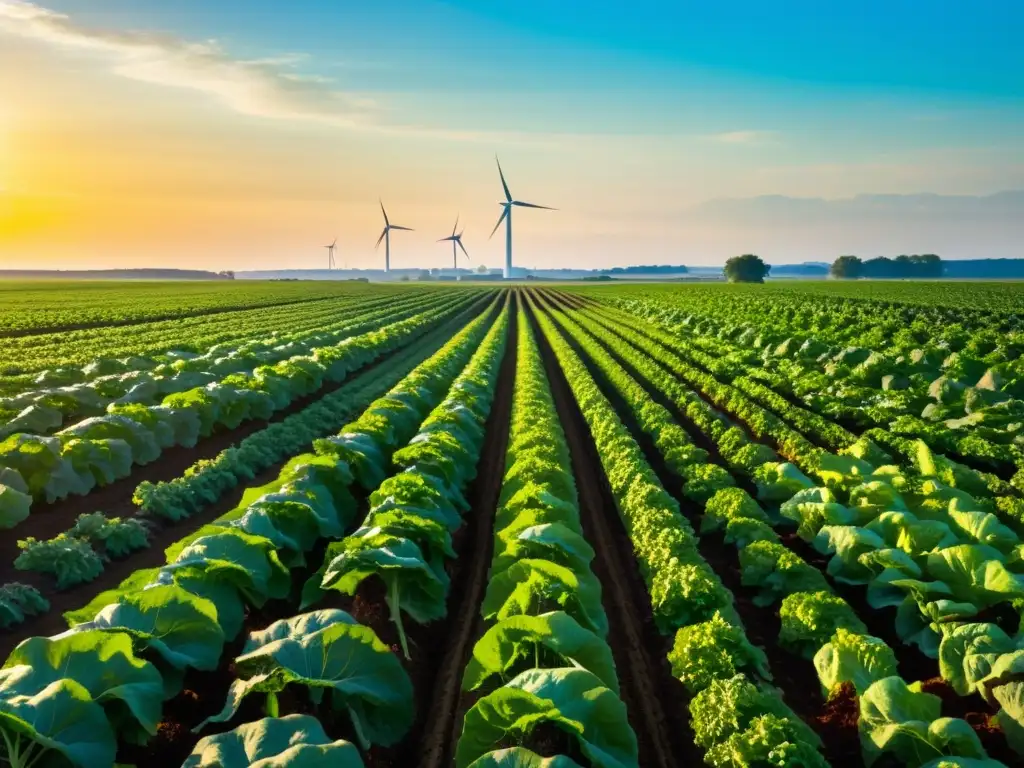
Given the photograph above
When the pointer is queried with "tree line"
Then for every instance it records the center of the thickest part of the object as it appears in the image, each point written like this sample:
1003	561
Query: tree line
926	265
749	268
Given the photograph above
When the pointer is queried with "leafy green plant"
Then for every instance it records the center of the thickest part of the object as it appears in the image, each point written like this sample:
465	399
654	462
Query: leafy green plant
18	601
551	639
118	536
71	560
572	700
714	650
293	740
902	720
854	658
809	619
327	651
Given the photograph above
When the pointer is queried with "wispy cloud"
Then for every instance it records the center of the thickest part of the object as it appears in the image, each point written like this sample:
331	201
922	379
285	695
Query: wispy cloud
743	137
270	88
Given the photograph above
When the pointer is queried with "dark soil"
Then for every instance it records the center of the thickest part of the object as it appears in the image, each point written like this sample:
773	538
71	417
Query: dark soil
657	703
837	724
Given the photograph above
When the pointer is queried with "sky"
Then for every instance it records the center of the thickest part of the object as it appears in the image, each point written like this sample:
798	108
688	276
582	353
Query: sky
223	134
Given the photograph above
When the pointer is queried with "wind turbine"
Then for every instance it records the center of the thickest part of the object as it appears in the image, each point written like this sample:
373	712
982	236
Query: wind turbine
386	237
330	254
456	241
506	216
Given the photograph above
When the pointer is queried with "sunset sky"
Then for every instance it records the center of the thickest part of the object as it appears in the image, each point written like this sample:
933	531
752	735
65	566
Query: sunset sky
224	134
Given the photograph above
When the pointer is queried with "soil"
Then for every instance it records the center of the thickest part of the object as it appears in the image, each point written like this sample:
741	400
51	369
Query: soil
657	703
42	523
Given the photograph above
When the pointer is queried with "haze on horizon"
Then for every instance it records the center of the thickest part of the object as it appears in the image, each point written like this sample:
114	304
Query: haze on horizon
229	135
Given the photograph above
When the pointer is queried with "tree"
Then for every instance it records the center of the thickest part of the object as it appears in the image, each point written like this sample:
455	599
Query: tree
482	270
847	268
227	274
747	268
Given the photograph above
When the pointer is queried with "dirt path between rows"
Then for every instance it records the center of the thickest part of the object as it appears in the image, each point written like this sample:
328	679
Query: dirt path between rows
656	702
164	533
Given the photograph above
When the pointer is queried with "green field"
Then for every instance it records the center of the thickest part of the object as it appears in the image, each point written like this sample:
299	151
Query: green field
615	525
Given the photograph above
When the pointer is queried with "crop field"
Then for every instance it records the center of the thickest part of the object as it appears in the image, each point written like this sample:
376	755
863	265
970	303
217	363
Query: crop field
657	525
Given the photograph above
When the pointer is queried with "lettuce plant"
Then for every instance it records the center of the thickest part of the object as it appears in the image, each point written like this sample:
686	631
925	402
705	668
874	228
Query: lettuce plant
71	560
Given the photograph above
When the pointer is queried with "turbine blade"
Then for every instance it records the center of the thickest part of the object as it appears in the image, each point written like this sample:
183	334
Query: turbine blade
508	195
380	238
504	213
463	248
456	224
407	229
531	205
445	239
383	211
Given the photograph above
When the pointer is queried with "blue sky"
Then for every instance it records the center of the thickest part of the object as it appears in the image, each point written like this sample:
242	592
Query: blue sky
628	116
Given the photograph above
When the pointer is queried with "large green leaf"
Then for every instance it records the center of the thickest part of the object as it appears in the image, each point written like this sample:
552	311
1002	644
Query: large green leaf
419	587
14	506
346	659
574	700
104	663
968	652
854	658
274	742
550	541
218	585
535	586
250	563
430	533
296	627
1011	712
292	526
521	757
902	720
516	638
181	628
61	717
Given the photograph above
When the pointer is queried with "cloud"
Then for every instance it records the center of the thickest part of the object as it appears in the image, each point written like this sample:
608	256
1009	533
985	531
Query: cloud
743	137
268	88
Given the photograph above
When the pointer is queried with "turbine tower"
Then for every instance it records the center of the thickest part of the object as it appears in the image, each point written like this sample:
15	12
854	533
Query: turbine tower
386	237
456	242
330	254
506	216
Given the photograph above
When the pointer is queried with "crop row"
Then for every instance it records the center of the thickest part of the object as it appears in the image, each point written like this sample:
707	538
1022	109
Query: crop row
815	623
62	397
103	449
160	624
27	357
542	656
79	554
846	494
960	394
36	307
